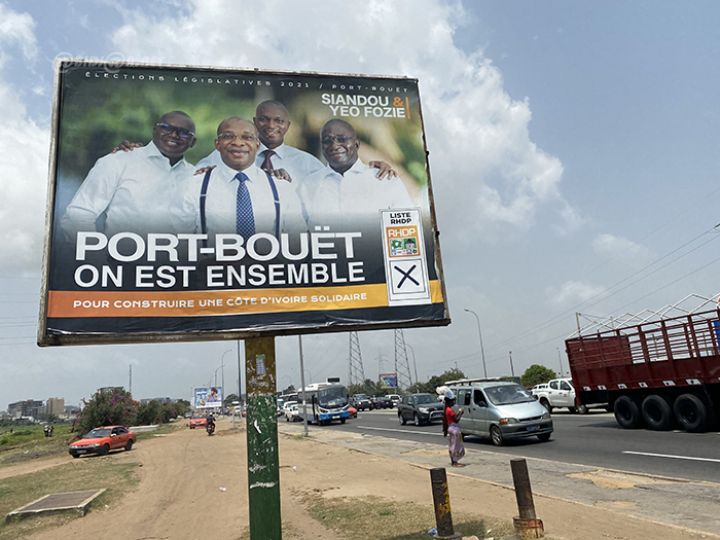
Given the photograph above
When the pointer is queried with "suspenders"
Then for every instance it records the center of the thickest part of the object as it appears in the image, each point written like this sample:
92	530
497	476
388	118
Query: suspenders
203	197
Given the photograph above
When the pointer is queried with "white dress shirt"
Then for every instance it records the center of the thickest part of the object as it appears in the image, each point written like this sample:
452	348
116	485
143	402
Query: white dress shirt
221	203
355	197
133	190
300	165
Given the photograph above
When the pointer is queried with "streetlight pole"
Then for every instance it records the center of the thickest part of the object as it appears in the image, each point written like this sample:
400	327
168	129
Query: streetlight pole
512	370
414	362
560	362
482	349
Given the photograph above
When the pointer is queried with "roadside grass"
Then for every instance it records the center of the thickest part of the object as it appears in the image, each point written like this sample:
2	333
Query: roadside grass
362	518
77	475
26	443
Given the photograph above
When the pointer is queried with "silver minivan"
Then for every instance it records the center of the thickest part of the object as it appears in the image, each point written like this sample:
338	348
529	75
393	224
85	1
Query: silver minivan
500	410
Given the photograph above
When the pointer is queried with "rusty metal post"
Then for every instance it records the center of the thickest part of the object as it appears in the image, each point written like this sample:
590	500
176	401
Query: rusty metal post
262	439
527	525
441	501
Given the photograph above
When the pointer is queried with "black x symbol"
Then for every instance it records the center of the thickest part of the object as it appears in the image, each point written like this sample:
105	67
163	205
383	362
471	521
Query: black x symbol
406	275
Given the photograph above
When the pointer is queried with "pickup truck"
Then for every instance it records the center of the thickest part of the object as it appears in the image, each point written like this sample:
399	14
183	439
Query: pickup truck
420	409
558	393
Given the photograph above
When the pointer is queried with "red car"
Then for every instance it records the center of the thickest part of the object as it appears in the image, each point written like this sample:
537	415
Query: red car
103	439
197	421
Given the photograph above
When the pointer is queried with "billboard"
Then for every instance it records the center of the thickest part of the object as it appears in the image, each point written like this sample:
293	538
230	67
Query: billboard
388	380
207	397
240	203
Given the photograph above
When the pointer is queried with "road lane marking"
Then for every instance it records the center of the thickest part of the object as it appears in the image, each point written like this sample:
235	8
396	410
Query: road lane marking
400	430
670	456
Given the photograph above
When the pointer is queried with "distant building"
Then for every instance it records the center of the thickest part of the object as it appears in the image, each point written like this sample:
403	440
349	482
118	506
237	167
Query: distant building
30	408
71	411
55	407
110	389
162	400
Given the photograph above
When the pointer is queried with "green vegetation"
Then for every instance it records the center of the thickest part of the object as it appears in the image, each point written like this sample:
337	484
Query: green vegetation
536	374
358	519
84	474
29	442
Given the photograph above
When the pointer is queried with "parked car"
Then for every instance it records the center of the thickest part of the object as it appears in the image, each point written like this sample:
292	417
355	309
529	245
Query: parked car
361	402
197	421
381	402
500	410
101	440
419	409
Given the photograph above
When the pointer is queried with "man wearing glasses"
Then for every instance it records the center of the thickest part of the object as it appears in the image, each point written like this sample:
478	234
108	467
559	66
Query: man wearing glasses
347	191
237	196
131	191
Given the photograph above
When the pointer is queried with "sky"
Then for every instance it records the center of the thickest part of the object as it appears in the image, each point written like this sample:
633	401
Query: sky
574	157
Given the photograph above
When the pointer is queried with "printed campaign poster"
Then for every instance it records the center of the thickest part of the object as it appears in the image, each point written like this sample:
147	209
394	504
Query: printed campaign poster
205	397
198	203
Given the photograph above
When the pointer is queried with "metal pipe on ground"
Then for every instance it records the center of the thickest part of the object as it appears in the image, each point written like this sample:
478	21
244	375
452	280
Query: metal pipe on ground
441	501
527	525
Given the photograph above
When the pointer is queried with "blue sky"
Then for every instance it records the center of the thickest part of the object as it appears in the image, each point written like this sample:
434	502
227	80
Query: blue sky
572	145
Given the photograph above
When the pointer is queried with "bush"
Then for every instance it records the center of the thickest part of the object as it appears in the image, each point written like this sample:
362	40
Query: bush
108	407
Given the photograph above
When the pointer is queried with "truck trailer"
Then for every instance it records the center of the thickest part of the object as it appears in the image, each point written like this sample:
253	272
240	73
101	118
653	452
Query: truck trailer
658	374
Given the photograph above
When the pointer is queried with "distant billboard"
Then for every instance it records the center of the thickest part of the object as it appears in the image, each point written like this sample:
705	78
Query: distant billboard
388	380
252	203
207	397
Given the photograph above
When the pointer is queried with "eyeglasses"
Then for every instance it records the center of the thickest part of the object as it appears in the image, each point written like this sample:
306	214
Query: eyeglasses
227	137
339	139
182	133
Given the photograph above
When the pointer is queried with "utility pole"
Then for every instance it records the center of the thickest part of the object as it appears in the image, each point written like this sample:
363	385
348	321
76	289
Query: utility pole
512	369
130	381
560	362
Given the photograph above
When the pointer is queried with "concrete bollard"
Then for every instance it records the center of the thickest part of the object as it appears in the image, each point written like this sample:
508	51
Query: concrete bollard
441	501
527	525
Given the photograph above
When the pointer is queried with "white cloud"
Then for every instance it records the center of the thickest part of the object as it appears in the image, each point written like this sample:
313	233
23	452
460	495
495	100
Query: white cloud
572	292
23	156
620	248
486	170
17	29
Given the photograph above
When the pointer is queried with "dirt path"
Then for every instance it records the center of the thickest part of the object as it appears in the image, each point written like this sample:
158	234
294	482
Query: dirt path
188	477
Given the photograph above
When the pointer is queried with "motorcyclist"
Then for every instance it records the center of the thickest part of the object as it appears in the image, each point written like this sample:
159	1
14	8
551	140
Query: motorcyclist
211	422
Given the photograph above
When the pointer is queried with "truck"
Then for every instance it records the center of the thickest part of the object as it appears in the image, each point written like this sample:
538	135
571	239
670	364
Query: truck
654	374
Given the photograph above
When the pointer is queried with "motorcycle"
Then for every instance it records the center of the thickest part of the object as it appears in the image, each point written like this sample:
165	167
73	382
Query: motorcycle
210	428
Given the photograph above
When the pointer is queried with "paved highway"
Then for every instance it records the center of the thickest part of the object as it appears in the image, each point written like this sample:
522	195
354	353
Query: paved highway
593	439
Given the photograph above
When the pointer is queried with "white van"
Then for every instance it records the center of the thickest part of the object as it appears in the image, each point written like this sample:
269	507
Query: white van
500	410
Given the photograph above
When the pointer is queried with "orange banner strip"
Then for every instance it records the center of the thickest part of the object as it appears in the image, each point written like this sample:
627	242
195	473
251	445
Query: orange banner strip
63	304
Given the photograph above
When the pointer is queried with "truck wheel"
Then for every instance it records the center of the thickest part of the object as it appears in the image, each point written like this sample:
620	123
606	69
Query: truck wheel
545	403
401	419
572	410
582	409
627	413
690	413
657	413
496	436
416	420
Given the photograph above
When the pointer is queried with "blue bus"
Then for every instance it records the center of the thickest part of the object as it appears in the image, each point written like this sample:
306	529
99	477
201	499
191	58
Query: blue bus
325	402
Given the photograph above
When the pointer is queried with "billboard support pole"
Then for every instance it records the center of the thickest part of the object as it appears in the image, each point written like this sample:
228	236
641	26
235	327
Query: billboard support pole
262	439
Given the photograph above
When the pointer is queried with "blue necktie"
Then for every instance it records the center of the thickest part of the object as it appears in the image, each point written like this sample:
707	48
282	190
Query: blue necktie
244	218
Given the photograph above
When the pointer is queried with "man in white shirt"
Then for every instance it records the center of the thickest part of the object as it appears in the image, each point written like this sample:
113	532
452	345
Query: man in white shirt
348	192
132	190
272	121
238	196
